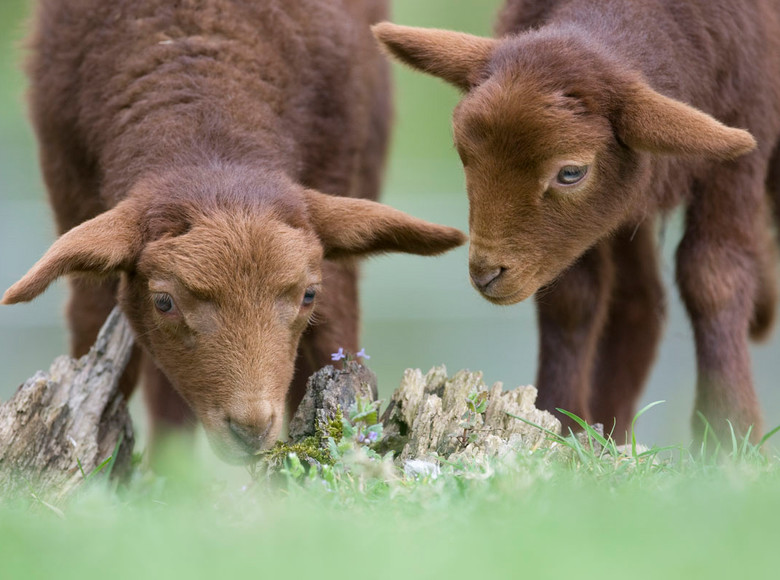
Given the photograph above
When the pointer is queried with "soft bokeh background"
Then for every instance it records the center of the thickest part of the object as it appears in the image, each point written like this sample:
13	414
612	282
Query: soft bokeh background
417	312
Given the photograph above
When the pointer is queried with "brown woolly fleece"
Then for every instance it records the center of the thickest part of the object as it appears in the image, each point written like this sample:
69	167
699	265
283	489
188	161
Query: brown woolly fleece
210	155
581	123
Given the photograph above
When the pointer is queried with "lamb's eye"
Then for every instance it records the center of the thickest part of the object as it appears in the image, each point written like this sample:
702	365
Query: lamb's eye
164	303
572	174
308	296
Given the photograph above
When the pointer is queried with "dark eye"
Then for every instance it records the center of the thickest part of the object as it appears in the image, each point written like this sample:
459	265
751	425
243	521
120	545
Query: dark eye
163	302
571	174
308	296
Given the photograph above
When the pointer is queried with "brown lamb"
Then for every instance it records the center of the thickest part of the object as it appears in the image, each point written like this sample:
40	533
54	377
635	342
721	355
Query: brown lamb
581	124
210	153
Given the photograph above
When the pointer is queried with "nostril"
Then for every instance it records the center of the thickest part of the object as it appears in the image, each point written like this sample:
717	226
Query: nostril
251	437
483	278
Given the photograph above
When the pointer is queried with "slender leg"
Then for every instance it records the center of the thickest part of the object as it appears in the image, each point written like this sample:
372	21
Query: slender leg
633	329
168	412
89	305
571	314
718	269
337	314
336	323
766	299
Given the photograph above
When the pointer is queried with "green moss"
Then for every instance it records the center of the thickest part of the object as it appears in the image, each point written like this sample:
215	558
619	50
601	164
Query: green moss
335	427
313	448
306	450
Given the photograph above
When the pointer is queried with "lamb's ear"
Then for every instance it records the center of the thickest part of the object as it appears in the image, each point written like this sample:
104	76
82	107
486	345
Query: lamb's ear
102	245
358	227
652	122
456	57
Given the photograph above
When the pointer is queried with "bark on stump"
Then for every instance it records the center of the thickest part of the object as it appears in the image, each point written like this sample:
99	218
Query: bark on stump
72	414
329	391
426	415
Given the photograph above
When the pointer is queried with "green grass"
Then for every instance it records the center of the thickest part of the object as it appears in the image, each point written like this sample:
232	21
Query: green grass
583	510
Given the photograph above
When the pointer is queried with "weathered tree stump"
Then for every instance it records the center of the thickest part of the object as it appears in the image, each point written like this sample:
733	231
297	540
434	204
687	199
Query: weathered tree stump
429	417
62	425
329	391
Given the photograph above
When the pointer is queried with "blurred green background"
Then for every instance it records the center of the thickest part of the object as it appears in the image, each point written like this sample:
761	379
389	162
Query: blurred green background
417	312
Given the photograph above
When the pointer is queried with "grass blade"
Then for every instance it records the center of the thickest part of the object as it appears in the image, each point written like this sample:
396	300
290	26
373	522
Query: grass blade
768	436
555	436
641	412
588	429
110	466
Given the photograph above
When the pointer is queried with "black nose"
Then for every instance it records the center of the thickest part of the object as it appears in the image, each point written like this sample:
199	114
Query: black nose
484	277
251	437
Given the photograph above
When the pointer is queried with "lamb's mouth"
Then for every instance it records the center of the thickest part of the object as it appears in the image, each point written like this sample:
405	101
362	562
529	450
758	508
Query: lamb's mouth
527	287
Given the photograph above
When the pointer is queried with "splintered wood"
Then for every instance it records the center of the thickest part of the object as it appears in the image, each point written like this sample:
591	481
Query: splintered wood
429	416
63	424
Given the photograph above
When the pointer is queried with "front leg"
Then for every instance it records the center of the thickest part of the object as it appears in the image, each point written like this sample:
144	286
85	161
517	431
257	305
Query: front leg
718	269
335	325
631	334
571	314
169	414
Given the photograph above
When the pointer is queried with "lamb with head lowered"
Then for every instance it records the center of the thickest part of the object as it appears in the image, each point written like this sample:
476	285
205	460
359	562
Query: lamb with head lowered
213	166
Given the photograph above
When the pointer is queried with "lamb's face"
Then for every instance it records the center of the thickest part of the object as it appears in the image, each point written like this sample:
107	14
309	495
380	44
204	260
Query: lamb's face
546	180
556	135
221	309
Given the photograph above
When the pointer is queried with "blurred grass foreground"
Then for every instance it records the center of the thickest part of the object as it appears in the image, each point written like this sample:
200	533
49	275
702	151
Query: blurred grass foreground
661	515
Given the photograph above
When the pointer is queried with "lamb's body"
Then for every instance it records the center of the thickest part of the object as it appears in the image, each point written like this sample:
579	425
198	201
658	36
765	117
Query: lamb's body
294	86
202	129
580	88
724	59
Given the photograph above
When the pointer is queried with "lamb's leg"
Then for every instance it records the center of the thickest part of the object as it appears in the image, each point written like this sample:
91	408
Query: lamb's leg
766	299
718	271
336	323
90	304
630	339
337	311
169	414
571	314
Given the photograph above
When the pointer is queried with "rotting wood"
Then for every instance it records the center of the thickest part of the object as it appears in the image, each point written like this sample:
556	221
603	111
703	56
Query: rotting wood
62	425
428	417
329	391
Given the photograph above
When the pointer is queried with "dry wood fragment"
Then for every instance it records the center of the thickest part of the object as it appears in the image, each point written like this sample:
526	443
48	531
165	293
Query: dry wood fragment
329	391
74	413
425	418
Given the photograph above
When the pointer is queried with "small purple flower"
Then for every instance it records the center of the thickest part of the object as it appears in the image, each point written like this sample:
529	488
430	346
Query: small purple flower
338	355
372	436
362	354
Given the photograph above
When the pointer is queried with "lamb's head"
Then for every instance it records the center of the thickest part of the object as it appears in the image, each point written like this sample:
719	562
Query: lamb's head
219	284
557	140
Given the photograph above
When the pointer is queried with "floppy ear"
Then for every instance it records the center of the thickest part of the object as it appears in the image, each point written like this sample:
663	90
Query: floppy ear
101	245
456	57
652	122
358	227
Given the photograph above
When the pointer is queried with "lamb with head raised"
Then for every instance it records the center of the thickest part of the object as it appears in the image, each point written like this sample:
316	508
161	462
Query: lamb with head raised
580	125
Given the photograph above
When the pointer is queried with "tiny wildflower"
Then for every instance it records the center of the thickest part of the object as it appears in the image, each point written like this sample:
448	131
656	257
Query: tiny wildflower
338	355
362	354
372	436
